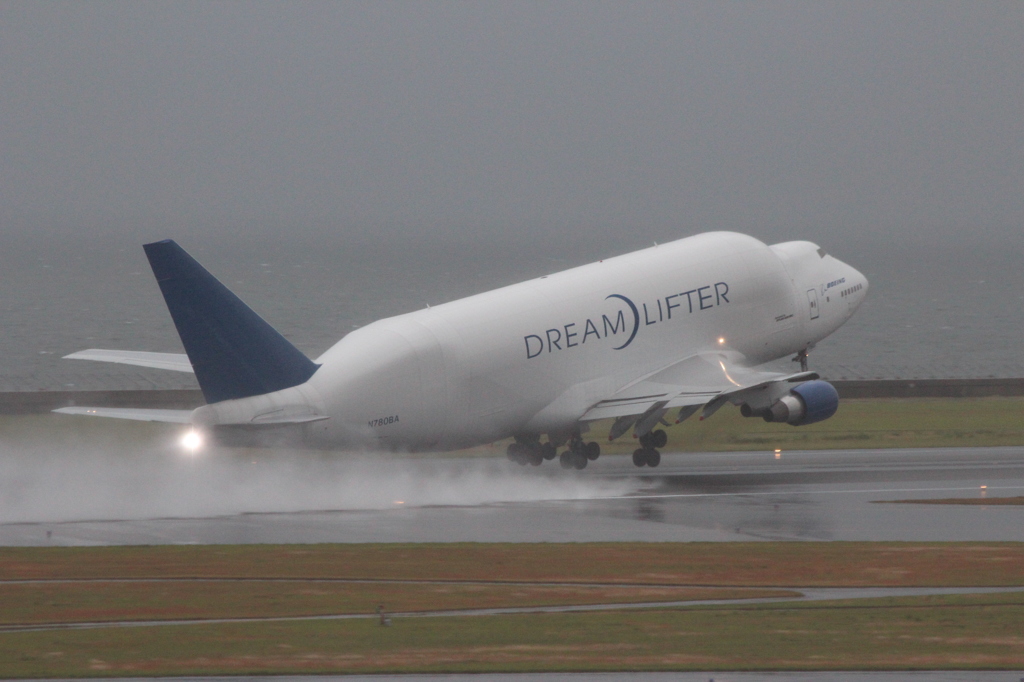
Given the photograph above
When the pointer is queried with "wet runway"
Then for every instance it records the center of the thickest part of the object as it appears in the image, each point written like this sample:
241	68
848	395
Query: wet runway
814	495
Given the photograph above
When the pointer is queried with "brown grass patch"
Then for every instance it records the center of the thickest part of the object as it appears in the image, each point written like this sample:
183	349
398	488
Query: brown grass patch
777	564
196	599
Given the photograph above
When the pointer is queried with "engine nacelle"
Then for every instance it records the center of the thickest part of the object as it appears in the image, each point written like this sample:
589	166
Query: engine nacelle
810	402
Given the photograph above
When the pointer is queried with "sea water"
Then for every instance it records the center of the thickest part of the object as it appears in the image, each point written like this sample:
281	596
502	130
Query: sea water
935	309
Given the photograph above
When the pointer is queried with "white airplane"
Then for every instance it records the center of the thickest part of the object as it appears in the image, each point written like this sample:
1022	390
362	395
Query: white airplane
646	339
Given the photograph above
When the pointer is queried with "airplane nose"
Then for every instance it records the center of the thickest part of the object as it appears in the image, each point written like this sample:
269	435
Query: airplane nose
861	279
860	288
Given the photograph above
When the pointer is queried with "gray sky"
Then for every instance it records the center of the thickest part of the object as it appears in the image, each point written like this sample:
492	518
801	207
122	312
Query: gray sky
781	119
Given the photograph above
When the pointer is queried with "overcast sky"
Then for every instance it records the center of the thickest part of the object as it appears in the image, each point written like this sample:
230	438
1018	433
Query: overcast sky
781	119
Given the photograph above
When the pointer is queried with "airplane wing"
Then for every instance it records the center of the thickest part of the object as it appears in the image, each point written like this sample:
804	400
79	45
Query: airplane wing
177	362
708	379
170	416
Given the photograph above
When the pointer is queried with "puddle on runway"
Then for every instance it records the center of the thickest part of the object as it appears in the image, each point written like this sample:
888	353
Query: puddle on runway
150	493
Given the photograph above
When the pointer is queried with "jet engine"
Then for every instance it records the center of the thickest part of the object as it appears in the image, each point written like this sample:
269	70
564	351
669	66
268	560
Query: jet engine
810	402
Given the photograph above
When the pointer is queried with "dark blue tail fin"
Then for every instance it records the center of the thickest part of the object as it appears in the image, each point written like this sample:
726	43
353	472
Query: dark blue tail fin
234	352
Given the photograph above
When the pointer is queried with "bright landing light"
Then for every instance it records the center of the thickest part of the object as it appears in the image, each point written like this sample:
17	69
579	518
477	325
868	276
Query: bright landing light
192	441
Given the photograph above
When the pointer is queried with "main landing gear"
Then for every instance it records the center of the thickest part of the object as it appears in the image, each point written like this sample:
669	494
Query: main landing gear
534	452
647	454
578	454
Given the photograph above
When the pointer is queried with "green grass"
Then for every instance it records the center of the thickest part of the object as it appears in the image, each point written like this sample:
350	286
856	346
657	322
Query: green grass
70	602
859	424
961	632
951	632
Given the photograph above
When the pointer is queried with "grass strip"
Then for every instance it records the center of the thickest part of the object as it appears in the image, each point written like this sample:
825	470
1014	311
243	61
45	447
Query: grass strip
180	600
859	424
961	632
754	564
877	423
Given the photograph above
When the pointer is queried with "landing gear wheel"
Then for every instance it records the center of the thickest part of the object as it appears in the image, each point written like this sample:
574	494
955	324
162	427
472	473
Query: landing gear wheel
548	451
659	438
592	451
653	458
640	458
517	453
573	459
533	454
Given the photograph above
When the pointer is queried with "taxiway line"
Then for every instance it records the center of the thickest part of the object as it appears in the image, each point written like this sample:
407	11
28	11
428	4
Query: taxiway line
807	595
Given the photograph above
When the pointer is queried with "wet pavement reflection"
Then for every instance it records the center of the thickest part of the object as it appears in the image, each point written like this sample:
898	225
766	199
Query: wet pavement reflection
819	495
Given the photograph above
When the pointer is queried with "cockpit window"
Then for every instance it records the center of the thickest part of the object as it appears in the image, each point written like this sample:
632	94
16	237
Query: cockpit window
821	252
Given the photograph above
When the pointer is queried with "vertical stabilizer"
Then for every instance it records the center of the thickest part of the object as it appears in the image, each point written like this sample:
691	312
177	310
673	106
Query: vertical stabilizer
234	352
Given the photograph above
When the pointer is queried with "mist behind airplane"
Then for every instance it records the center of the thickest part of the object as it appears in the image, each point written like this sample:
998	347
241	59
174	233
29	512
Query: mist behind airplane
645	338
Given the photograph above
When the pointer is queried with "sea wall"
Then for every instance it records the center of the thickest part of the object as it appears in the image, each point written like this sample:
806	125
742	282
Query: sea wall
929	388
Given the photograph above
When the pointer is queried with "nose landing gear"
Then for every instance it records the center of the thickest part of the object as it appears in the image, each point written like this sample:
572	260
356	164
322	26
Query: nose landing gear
647	454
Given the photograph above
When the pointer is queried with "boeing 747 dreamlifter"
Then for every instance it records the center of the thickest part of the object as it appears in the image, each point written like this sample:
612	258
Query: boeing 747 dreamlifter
648	338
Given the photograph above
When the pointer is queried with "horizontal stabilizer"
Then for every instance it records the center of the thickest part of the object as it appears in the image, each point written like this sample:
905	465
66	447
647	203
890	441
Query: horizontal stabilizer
176	362
295	419
169	416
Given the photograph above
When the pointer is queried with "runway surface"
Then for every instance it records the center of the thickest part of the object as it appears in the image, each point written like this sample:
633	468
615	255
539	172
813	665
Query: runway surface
812	495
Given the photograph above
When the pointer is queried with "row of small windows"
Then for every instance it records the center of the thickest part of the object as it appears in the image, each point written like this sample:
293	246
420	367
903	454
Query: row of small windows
854	288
